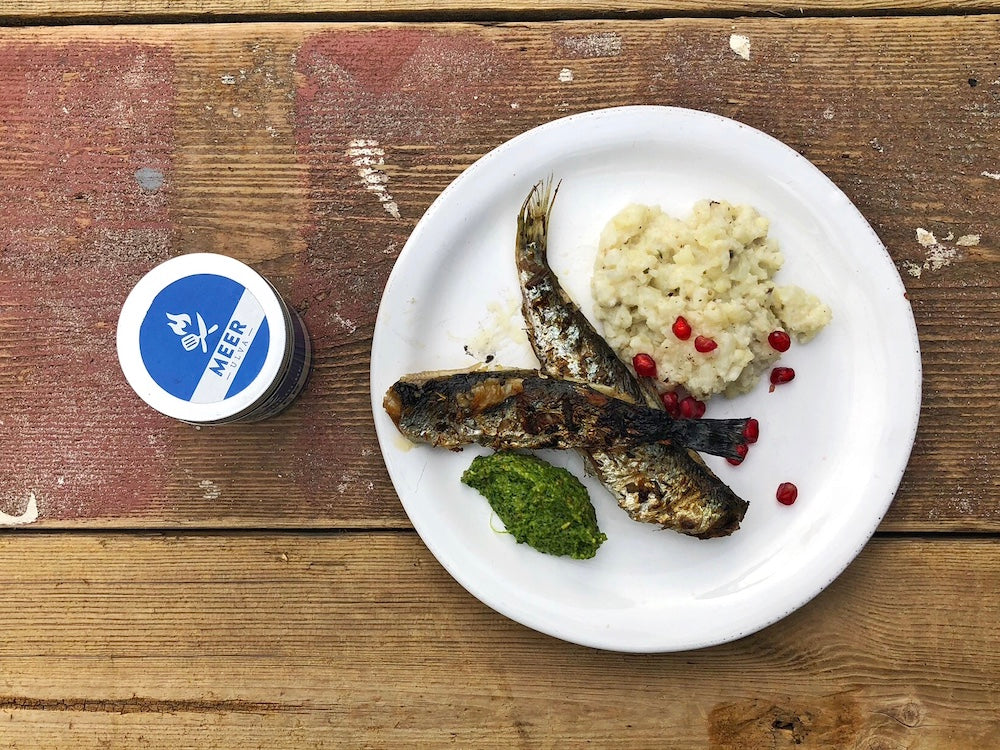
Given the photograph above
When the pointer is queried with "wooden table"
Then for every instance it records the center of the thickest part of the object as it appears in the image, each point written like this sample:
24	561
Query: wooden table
260	586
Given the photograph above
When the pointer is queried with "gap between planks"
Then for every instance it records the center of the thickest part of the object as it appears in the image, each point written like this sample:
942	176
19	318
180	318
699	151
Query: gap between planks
99	13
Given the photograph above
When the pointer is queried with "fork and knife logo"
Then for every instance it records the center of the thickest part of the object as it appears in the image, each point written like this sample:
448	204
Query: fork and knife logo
189	339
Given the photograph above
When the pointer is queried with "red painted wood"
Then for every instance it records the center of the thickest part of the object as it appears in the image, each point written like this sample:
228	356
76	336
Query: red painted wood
87	131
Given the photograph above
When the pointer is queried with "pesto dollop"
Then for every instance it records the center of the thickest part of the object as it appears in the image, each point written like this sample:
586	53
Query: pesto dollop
541	505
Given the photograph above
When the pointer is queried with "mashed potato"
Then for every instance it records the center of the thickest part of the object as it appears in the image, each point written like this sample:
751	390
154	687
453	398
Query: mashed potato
715	269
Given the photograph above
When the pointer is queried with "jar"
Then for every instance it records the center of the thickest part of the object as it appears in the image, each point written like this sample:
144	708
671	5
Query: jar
205	339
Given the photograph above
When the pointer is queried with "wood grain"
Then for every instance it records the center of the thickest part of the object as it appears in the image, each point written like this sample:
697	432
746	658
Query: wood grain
251	126
362	640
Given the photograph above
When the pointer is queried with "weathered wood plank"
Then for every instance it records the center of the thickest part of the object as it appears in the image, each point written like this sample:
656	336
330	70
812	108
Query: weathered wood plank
249	127
363	640
48	11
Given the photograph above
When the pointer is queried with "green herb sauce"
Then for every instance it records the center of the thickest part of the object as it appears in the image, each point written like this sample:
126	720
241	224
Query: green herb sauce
540	504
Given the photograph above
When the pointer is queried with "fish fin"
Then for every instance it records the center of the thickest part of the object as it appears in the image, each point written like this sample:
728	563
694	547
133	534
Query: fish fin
533	221
719	437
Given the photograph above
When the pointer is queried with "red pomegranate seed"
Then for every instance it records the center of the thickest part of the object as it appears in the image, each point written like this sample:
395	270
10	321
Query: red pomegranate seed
742	450
671	403
779	340
704	344
752	431
781	375
691	408
681	328
787	492
644	366
687	407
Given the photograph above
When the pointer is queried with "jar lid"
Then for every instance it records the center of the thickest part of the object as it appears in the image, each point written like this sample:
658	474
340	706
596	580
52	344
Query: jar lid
202	337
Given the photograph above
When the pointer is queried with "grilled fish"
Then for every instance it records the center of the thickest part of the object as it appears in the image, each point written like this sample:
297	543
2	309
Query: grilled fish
653	483
510	409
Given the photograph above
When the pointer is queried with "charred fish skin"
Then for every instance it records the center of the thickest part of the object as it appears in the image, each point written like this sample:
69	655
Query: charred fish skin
652	483
660	484
523	409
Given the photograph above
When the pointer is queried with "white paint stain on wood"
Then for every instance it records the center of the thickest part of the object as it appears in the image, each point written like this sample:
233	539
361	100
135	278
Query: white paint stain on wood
991	175
345	324
30	514
937	254
598	44
740	45
368	157
566	75
925	238
347	480
210	490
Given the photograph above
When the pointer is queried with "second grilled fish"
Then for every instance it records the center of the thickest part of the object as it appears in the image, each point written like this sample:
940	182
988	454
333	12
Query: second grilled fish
653	483
509	409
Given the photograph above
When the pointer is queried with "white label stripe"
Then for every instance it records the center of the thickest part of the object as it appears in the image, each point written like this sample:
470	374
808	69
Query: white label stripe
221	370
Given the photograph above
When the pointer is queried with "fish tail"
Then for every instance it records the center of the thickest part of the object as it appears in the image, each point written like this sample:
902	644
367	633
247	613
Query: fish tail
718	437
533	221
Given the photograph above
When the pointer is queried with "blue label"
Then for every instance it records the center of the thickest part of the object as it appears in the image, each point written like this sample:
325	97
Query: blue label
204	338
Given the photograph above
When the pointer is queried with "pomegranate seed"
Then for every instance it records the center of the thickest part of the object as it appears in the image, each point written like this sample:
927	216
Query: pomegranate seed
742	450
687	407
644	366
779	340
691	408
681	328
704	344
752	431
671	403
787	492
781	375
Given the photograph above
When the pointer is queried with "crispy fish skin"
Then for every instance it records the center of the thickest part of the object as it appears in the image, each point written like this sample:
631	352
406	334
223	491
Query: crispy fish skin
507	409
565	342
653	483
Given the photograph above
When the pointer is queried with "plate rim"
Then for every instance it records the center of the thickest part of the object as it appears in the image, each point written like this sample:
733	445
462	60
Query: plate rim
651	112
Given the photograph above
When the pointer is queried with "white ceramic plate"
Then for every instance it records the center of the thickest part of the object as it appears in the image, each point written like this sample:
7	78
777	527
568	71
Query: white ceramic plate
841	431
